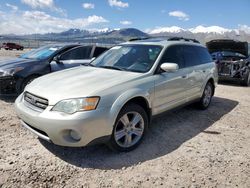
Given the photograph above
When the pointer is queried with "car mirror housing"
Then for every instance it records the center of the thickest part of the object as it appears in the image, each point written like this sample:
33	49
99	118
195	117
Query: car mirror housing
169	67
57	59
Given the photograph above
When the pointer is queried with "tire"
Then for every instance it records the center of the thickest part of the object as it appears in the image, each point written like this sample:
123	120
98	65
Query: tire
206	96
246	81
127	135
22	84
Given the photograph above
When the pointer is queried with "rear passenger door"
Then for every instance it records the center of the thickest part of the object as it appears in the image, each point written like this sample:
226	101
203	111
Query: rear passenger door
194	69
72	58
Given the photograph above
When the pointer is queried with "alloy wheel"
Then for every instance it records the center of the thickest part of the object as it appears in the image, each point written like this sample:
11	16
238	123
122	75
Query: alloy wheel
129	129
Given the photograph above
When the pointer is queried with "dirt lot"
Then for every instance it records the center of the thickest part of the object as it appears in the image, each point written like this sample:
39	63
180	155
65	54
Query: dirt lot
6	54
183	148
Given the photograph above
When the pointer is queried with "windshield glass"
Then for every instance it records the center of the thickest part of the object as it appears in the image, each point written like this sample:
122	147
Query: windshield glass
135	58
41	53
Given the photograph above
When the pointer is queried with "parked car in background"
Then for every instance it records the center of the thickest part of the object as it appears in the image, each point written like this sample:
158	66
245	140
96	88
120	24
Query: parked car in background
12	46
15	74
113	98
232	58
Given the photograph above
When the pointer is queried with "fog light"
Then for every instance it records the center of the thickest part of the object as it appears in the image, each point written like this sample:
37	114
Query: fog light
75	135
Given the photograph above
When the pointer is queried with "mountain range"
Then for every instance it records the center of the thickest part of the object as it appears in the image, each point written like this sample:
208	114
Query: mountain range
201	33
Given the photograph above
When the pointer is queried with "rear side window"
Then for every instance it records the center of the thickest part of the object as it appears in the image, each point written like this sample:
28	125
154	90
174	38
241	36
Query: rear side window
99	51
204	55
191	56
173	54
77	53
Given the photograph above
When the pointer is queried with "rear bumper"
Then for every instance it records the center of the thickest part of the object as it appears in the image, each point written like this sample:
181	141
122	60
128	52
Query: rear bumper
7	85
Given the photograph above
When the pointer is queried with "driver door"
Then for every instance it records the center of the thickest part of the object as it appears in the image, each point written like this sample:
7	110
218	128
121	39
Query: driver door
171	87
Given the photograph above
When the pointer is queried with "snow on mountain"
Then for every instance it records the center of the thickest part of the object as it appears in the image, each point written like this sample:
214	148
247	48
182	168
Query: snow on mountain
195	30
210	29
173	29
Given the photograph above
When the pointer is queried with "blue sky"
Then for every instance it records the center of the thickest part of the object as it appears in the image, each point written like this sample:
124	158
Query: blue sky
34	16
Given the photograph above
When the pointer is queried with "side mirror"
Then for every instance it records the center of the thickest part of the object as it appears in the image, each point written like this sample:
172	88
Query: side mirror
169	67
57	59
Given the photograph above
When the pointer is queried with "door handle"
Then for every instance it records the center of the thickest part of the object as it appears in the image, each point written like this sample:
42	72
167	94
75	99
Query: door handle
184	76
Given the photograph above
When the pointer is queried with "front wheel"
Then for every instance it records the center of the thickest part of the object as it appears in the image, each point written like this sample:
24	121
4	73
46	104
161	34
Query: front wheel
129	129
246	81
22	84
206	96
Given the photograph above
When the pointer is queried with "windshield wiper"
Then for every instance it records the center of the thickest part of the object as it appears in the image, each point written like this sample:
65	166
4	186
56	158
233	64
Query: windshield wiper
115	68
88	64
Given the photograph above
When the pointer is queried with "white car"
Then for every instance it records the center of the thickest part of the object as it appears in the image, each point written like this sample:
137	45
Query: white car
113	99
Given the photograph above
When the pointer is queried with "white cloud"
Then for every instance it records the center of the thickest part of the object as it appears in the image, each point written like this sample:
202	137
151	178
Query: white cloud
13	7
180	15
88	5
44	4
117	3
125	22
29	22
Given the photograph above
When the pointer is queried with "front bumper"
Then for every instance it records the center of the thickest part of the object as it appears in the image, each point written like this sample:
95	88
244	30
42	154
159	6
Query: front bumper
55	127
7	85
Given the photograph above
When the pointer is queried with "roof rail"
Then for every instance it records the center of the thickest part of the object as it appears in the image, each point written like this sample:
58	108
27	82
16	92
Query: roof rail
165	38
139	38
182	38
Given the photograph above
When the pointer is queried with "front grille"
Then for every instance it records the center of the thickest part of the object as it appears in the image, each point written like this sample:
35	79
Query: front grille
36	101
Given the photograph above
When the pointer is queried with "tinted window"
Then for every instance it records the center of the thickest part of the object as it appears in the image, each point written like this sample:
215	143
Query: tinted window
191	56
77	53
205	57
99	51
173	54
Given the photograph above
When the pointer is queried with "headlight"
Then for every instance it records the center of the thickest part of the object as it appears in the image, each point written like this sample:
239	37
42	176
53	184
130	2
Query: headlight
10	72
71	106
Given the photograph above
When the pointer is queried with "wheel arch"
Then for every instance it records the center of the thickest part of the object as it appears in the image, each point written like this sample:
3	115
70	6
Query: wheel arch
211	80
138	97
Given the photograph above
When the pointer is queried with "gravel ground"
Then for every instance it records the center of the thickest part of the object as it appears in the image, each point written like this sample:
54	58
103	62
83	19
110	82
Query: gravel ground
183	148
6	54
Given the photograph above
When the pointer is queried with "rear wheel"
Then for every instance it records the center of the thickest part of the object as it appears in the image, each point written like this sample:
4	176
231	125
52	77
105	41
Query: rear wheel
206	96
130	127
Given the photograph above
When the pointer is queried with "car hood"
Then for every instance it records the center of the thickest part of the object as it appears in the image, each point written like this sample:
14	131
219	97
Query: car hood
12	63
228	45
78	82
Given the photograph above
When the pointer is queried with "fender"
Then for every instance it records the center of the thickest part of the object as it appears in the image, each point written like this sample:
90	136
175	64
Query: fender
124	98
213	74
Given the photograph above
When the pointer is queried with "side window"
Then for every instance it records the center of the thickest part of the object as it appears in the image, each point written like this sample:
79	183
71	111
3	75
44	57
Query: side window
77	53
99	51
173	54
204	55
190	55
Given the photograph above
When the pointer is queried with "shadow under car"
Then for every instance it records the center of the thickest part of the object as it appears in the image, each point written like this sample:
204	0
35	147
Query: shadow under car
166	133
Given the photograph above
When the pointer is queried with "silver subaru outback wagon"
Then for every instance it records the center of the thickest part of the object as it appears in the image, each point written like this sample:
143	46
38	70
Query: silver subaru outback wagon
112	99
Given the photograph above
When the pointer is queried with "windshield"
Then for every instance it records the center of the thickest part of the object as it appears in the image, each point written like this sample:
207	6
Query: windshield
135	58
41	53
